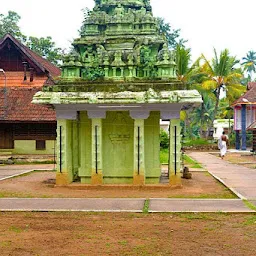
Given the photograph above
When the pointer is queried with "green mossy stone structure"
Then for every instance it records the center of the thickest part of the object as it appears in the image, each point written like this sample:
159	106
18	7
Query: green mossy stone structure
115	87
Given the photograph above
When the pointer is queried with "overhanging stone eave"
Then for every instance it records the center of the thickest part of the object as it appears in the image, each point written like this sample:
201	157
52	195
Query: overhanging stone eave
94	98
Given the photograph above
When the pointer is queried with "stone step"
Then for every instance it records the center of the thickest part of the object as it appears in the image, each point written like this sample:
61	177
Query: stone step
4	152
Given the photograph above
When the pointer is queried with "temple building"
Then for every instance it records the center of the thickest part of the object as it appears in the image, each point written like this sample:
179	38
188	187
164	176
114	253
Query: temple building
116	85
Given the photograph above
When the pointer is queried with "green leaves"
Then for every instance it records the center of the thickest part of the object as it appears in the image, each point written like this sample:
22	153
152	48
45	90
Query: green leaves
93	73
249	63
45	47
9	25
172	35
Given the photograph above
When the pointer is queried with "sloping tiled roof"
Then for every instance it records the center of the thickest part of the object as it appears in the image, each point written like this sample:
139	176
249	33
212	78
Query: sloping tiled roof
20	108
16	78
43	64
249	97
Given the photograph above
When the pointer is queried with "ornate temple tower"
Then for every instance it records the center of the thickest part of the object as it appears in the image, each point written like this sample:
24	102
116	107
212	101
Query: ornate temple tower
122	39
115	87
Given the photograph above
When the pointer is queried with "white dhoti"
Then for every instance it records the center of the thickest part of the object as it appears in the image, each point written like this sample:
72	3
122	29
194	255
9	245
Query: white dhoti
223	148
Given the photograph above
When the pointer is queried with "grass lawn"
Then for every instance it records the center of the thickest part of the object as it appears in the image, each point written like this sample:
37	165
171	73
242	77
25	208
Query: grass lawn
187	160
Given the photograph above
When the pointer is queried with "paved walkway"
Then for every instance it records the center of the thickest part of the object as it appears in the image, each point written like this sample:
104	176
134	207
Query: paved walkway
76	204
123	205
241	180
10	171
212	163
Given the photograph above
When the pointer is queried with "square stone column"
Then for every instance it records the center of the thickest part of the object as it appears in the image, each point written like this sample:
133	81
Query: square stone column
97	175
139	153
175	152
85	148
64	174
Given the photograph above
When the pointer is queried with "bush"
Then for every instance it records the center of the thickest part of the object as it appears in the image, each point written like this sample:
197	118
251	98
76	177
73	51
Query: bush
164	139
196	142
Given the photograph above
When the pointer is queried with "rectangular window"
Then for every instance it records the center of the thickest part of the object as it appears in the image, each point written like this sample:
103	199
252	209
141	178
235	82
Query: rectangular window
40	145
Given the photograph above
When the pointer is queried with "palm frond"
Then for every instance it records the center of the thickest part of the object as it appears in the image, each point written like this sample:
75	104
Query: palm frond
209	85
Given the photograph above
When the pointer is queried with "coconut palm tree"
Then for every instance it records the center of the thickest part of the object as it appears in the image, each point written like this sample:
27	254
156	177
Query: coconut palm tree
187	74
249	63
221	75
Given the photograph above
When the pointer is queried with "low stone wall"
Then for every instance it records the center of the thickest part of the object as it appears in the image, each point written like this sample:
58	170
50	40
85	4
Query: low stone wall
212	147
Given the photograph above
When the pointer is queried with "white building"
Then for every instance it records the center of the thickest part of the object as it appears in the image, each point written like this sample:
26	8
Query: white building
221	125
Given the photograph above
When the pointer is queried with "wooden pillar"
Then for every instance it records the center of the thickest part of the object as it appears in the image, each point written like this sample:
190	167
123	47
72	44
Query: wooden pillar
243	115
238	144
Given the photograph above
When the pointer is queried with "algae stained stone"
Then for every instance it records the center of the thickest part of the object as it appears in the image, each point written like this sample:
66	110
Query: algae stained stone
115	87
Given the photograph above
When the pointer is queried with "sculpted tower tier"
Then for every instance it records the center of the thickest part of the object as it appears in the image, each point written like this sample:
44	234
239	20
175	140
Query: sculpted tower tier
122	40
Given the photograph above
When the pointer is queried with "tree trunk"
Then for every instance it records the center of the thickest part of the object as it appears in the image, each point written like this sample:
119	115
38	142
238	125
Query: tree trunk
216	107
201	118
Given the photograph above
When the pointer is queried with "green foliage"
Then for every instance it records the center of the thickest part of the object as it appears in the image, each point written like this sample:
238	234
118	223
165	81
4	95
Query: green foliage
249	64
164	156
146	206
196	142
251	220
221	74
93	74
172	35
147	61
232	139
183	57
87	12
164	139
9	24
191	162
45	47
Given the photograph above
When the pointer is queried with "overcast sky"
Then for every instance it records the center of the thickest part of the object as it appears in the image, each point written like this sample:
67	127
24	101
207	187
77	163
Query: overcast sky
205	23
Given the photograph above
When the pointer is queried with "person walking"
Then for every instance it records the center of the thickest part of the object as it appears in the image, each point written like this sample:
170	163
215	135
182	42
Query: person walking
222	145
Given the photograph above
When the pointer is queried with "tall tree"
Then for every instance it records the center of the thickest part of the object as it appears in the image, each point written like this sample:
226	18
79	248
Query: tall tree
186	73
202	116
191	76
172	35
45	47
9	24
222	75
249	64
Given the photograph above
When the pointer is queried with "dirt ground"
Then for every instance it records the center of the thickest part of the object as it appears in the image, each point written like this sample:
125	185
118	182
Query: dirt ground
248	160
25	234
41	184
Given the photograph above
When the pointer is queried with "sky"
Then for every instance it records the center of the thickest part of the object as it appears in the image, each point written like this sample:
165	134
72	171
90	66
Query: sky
206	24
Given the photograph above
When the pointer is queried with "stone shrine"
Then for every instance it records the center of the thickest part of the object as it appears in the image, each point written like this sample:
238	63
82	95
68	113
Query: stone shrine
115	87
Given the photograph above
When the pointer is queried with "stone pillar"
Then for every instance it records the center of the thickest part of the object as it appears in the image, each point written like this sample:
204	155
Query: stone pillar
97	175
139	153
175	152
238	140
106	72
122	72
114	72
243	117
85	149
134	72
75	148
130	71
64	174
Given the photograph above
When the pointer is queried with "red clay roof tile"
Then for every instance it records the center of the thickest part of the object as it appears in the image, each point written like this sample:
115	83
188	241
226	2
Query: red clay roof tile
20	108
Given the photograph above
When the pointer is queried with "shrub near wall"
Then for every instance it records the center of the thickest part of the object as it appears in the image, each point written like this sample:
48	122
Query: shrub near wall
164	139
